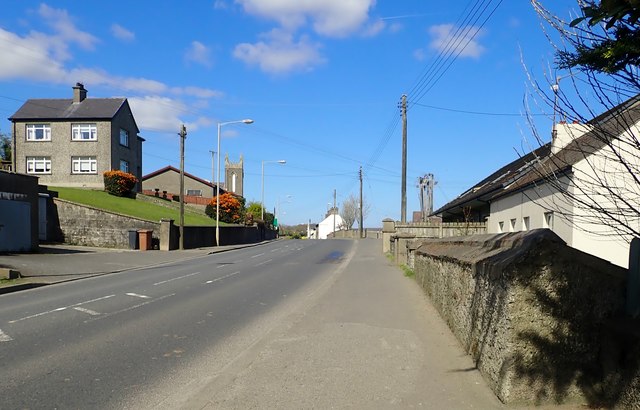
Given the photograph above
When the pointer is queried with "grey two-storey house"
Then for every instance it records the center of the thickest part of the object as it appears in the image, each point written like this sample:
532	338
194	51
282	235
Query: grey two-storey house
71	142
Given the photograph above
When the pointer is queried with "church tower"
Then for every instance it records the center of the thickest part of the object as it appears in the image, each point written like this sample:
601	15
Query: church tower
234	176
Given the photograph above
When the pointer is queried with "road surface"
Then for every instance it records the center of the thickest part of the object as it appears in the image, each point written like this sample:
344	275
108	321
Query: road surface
290	324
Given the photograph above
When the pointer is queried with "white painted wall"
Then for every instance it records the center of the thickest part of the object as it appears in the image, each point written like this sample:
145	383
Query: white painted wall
600	178
326	226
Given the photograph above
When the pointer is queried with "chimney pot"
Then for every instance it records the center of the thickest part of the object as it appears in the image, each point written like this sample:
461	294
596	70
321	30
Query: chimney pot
79	93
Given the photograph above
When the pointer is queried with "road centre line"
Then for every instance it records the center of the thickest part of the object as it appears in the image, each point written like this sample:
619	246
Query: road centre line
223	277
257	256
87	311
4	337
262	263
60	309
136	295
275	250
106	315
176	278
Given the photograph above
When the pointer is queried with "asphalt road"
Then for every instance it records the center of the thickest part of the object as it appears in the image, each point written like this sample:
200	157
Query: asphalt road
290	324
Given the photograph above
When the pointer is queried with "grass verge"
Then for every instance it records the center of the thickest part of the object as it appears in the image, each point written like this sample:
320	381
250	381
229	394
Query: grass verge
129	206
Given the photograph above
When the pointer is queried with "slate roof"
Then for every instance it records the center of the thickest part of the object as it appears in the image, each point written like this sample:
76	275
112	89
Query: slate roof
186	174
540	163
62	108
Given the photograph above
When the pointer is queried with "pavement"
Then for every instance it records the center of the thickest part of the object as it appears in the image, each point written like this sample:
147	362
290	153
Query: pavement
61	263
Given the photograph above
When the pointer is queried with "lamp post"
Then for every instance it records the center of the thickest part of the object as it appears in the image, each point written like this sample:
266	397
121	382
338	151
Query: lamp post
288	198
213	173
281	162
220	124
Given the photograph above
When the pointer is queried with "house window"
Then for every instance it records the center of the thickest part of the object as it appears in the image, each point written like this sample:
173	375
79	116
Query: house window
525	223
84	132
500	226
38	165
194	192
548	220
512	225
38	132
124	137
124	165
84	165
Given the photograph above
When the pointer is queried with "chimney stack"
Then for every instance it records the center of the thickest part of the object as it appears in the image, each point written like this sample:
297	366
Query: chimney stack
79	93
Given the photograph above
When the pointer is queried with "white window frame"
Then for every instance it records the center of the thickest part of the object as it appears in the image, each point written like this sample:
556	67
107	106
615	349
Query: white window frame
501	227
526	223
124	135
38	165
512	224
124	168
548	220
193	192
84	165
33	130
84	132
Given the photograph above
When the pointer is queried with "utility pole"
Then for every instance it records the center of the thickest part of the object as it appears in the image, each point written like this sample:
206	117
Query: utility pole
403	206
183	135
361	216
334	213
213	173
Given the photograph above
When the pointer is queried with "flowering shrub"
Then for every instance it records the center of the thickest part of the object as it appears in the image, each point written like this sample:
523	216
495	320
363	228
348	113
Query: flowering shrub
231	208
119	183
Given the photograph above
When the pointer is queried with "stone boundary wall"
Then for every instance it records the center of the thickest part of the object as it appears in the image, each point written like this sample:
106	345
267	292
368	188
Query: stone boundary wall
88	226
355	234
542	321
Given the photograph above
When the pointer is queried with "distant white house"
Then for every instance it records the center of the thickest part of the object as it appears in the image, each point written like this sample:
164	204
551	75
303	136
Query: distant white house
330	224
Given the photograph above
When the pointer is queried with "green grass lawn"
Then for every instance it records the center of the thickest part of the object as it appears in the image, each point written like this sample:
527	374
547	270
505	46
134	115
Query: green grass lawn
130	207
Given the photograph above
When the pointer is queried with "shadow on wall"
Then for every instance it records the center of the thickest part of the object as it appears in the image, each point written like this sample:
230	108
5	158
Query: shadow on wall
543	322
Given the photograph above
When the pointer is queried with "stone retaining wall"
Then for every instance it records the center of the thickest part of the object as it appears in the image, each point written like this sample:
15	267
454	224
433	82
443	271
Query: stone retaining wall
536	316
87	226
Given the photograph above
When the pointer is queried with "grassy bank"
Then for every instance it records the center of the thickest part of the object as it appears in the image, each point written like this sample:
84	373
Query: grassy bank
131	207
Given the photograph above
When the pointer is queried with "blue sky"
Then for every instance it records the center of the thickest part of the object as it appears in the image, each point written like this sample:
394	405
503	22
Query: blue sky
321	79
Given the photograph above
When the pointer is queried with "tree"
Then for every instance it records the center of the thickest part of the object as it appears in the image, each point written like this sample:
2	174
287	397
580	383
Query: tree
604	197
231	209
616	47
254	211
351	211
5	147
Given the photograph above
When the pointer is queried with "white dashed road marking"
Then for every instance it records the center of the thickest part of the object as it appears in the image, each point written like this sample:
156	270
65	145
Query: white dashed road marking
61	309
177	278
106	315
224	277
262	263
136	295
4	337
258	255
87	311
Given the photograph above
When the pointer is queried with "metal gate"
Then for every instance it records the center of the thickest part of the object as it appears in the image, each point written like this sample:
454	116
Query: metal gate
15	226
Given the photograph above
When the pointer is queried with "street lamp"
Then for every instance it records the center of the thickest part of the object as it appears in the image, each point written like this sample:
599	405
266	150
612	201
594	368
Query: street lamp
220	124
281	162
288	199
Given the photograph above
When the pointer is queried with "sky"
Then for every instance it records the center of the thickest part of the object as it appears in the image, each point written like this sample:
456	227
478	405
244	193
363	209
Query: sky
322	81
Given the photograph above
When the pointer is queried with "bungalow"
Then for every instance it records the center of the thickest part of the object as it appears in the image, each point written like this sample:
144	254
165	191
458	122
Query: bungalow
582	185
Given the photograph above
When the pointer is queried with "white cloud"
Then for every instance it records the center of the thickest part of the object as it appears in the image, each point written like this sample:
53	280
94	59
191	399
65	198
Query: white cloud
334	18
445	39
122	33
279	53
220	5
28	57
419	54
63	25
374	28
155	113
198	53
